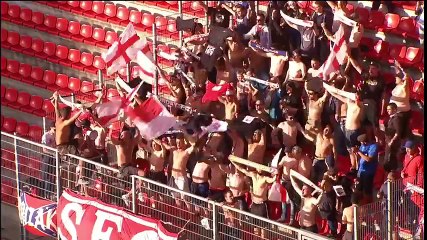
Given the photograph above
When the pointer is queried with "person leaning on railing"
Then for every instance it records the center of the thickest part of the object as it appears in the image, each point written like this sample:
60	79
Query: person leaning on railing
48	161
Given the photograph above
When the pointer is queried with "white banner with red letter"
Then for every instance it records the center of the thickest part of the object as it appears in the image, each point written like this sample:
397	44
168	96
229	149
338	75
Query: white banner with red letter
86	218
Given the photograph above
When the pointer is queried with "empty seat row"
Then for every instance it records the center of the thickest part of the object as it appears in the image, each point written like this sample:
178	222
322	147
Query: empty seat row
47	79
51	52
382	50
23	101
28	165
59	26
8	191
23	129
188	7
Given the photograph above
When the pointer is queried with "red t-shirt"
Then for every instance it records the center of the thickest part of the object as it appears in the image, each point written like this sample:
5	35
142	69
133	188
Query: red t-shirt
413	169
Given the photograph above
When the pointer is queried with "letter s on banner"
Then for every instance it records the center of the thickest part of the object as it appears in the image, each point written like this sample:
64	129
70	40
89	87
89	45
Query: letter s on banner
101	217
68	223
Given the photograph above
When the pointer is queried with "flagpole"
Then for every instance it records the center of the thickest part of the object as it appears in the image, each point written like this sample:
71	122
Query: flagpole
180	32
128	72
156	76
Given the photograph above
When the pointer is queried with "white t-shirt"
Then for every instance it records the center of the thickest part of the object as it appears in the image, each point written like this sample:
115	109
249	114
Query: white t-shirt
49	139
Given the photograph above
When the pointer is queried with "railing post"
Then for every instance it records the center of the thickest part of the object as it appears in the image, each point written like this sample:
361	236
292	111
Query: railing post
100	79
44	124
128	72
73	98
256	7
214	221
180	15
356	222
207	18
58	176
156	77
18	189
389	211
133	194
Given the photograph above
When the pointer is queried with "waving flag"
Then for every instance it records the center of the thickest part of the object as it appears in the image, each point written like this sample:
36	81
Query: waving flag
336	57
296	21
151	118
213	91
124	50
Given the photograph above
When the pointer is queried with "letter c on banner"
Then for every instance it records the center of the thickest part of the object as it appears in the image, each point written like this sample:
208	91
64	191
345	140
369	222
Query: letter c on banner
67	222
101	217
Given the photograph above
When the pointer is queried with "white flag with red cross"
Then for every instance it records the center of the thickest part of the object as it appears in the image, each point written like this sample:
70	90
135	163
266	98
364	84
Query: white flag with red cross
125	49
336	57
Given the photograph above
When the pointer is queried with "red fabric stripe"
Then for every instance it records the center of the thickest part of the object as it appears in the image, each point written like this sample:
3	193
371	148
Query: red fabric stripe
121	49
147	111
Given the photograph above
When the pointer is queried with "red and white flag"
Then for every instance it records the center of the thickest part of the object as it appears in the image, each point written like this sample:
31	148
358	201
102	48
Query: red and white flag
336	57
124	50
151	118
86	218
213	91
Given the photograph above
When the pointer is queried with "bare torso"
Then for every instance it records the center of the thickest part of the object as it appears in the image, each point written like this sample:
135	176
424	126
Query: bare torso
256	152
288	164
230	110
304	166
259	188
63	132
157	161
277	64
201	172
354	115
237	184
324	146
218	177
179	165
348	212
308	212
290	133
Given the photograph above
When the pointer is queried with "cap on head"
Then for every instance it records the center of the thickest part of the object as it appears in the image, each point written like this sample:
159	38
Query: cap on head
410	144
362	138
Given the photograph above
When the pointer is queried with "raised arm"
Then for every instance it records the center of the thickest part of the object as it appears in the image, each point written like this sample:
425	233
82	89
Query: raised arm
355	63
305	134
226	7
203	5
244	171
295	185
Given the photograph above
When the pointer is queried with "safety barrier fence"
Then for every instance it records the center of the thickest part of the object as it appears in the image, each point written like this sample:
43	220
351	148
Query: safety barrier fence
399	214
39	166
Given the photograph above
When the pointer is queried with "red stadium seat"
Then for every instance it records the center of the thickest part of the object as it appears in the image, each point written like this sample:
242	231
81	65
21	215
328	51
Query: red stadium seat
109	12
23	99
37	19
147	21
73	57
25	43
87	87
98	63
22	128
363	15
86	59
398	52
47	107
13	69
111	37
122	15
49	49
413	56
36	103
26	16
61	81
62	25
407	28
376	19
35	133
50	24
380	50
4	33
74	84
49	78
75	7
37	47
85	32
4	10
171	28
9	125
161	23
97	9
35	76
98	35
391	21
10	96
135	17
73	29
3	64
14	12
86	5
61	53
25	70
13	40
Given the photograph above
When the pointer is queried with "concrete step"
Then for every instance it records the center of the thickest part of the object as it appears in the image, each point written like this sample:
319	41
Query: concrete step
20	86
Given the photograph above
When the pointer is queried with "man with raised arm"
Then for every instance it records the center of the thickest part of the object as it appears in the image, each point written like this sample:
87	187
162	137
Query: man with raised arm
63	125
257	146
125	144
307	220
324	154
277	61
315	109
259	192
353	122
230	104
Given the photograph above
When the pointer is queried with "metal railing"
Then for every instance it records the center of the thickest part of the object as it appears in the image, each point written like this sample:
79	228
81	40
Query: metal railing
42	172
398	215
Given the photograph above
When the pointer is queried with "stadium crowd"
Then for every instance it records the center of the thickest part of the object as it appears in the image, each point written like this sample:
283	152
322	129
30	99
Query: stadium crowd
328	127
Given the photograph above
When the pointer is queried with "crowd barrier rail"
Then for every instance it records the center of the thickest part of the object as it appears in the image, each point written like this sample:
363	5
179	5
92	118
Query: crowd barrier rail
30	165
